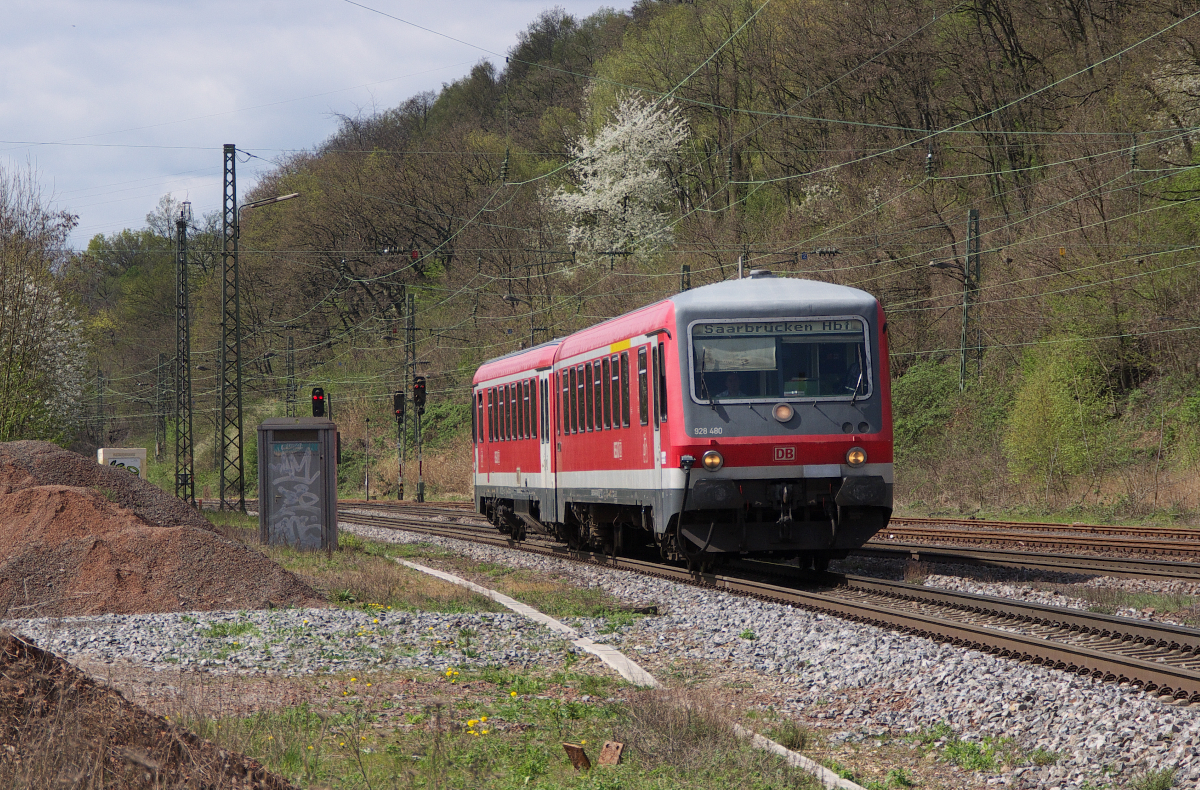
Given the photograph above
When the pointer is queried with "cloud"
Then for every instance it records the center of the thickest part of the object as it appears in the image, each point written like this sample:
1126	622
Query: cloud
118	103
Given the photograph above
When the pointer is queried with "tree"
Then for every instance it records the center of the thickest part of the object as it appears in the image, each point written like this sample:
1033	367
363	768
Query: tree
624	177
42	354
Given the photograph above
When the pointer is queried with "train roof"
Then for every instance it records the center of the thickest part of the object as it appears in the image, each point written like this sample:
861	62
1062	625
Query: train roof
750	297
526	359
765	294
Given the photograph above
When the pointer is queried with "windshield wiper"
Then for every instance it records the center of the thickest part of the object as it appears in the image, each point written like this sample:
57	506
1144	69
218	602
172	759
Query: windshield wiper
704	384
862	371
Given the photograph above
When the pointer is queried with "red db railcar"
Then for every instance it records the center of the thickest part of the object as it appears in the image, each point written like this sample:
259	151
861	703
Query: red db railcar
749	417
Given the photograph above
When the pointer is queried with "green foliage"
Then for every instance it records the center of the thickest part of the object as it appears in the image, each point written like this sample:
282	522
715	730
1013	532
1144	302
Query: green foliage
923	401
1162	779
1057	424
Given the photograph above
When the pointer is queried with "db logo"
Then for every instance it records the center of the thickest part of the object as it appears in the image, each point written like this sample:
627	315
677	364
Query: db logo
785	453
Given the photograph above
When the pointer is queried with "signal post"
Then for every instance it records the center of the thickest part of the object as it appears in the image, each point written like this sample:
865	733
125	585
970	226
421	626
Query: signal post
398	409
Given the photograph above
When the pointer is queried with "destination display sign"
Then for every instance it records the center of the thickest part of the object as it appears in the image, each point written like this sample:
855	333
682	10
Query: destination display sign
815	327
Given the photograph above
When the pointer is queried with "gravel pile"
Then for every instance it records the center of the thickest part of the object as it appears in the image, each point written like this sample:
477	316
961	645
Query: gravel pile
298	641
862	682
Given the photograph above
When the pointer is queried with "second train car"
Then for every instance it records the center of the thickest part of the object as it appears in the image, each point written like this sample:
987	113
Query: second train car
745	418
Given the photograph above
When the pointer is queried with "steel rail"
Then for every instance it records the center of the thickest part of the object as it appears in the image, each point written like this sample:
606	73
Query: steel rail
1166	533
1175	548
1127	567
1155	657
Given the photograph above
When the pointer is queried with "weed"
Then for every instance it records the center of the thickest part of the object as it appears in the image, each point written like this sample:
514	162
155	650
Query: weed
895	778
1161	779
1042	757
748	635
793	736
224	630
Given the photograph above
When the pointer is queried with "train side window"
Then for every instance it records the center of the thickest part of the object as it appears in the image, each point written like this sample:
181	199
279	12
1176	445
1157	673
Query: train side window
625	389
532	386
564	422
479	415
598	395
643	390
504	413
544	414
509	408
587	395
515	409
574	401
474	422
491	402
614	385
519	417
662	383
607	391
527	409
581	397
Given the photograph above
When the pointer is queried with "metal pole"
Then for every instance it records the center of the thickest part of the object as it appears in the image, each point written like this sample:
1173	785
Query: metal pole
367	452
400	456
101	431
185	478
970	283
410	358
233	492
739	267
420	466
291	377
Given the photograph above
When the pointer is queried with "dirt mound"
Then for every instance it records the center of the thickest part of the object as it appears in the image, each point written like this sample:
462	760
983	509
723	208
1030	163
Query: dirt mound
30	464
71	550
59	728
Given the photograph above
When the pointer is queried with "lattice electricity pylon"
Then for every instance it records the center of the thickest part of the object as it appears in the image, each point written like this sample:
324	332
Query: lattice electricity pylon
233	490
185	477
291	377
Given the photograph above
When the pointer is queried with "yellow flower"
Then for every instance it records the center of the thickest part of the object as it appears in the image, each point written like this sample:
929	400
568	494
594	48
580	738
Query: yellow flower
483	718
376	620
472	722
583	743
362	737
485	732
512	693
439	641
389	607
343	743
368	685
310	748
306	623
353	679
270	737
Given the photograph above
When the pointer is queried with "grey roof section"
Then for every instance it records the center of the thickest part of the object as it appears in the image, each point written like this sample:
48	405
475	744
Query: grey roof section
774	296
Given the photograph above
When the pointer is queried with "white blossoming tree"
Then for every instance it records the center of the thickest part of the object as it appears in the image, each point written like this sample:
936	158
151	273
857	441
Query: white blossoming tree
623	180
42	352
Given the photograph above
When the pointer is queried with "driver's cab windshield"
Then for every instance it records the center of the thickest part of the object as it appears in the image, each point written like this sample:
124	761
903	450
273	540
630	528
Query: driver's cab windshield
779	360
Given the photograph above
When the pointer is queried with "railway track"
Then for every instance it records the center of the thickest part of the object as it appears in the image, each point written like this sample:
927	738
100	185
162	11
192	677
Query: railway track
1017	537
1159	658
1128	567
1157	533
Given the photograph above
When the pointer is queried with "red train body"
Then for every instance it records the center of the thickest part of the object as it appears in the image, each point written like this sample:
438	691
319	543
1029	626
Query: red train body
750	417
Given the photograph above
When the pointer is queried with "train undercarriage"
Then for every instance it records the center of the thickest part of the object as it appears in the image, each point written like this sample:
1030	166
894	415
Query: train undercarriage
808	521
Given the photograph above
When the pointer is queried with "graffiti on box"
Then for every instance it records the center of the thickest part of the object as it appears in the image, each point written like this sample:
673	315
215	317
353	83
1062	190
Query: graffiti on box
294	478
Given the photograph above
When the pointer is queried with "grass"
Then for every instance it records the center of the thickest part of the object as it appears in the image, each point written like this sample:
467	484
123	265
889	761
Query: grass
499	729
364	574
989	754
1109	600
1162	779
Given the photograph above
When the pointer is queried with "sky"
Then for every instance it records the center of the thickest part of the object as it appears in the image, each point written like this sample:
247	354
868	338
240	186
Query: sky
117	103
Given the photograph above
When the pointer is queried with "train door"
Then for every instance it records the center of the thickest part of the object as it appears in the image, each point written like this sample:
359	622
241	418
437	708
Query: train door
546	479
654	413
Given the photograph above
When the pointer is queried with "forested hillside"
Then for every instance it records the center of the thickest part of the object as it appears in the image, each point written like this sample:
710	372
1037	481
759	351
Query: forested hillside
844	142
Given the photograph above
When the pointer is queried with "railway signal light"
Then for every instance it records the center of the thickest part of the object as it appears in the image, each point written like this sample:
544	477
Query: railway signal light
415	255
318	402
398	405
419	394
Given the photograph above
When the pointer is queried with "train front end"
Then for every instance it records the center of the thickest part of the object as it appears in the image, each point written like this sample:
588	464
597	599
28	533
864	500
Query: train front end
784	444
